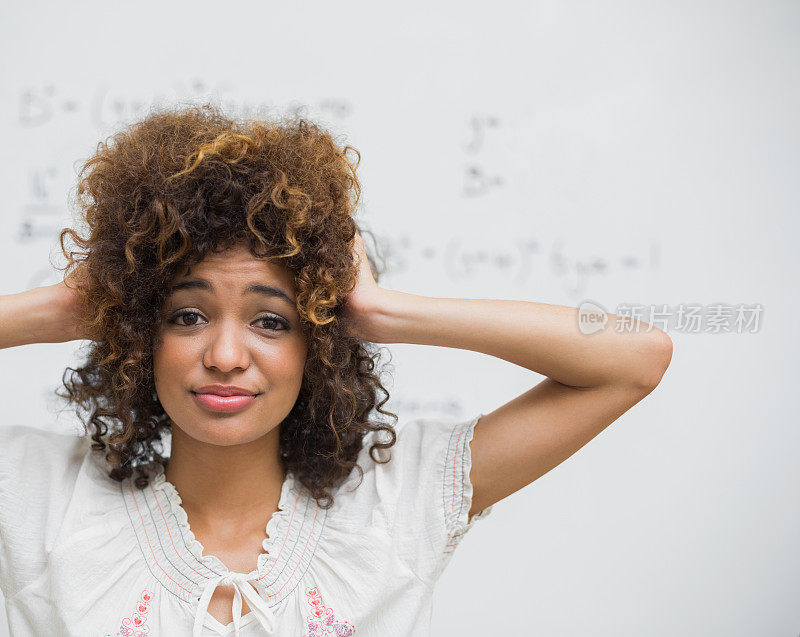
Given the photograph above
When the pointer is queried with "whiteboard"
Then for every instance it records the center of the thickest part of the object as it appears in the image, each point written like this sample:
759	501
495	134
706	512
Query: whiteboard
620	154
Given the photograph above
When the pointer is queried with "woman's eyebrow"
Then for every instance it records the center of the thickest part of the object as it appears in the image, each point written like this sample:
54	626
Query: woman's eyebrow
253	288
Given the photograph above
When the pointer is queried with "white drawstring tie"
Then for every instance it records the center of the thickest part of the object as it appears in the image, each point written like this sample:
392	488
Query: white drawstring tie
241	587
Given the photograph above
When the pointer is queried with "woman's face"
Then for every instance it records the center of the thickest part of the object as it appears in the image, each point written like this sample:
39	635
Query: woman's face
215	331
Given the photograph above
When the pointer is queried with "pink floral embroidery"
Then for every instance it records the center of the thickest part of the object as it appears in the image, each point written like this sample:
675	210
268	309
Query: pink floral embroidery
134	626
321	622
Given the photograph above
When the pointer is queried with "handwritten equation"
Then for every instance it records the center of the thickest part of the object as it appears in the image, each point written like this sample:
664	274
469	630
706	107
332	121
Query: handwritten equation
106	107
518	260
483	148
480	179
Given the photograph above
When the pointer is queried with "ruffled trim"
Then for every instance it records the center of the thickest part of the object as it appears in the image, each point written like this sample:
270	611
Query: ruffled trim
276	525
458	488
176	557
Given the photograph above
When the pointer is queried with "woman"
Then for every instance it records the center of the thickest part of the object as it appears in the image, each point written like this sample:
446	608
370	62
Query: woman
229	301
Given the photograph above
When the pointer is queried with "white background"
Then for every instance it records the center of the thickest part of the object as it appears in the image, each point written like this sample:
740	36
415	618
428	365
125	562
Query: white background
618	152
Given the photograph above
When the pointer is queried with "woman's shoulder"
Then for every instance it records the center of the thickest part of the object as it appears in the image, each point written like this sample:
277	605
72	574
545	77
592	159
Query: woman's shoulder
417	493
37	466
424	448
24	447
38	472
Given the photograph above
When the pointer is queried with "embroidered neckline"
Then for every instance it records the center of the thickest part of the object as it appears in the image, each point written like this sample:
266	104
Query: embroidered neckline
274	527
175	556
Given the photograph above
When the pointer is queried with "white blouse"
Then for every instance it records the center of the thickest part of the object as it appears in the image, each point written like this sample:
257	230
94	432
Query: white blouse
83	555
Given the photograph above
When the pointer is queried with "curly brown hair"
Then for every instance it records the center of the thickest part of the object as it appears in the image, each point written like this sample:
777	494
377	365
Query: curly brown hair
158	197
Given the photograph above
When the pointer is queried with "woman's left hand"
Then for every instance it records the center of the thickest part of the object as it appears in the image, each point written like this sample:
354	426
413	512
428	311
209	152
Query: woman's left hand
362	306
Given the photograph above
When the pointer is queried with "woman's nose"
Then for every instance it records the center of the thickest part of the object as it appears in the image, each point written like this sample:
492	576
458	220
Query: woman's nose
227	348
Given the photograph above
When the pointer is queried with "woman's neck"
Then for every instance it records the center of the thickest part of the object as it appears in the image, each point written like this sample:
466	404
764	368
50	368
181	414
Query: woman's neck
227	486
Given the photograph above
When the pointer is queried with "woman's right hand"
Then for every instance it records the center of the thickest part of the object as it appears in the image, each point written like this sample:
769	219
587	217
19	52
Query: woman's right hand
46	314
66	300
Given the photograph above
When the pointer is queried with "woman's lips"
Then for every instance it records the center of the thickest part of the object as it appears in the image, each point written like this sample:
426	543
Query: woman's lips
215	402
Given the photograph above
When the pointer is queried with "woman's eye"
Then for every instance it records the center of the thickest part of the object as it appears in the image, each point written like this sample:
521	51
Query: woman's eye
184	315
270	323
274	320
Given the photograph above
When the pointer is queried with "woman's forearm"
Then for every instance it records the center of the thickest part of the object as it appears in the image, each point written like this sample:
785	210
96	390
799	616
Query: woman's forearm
541	337
33	316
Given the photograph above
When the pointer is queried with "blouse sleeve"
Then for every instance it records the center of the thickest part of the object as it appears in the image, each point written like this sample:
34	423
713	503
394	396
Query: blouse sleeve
432	460
38	470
